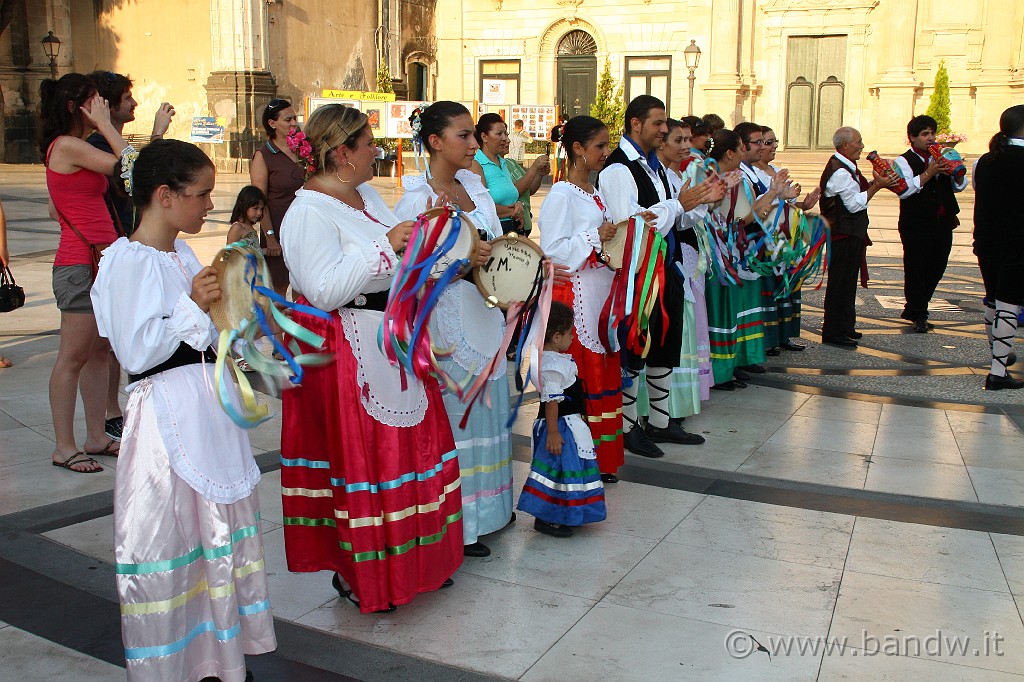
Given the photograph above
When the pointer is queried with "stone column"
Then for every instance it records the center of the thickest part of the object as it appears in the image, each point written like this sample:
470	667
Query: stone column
239	85
897	85
998	86
722	91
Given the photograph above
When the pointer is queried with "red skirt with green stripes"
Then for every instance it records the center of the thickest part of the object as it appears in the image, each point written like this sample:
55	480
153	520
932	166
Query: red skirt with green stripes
381	505
601	375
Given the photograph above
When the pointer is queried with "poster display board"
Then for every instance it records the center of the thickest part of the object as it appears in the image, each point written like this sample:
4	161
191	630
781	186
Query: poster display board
314	103
538	119
397	125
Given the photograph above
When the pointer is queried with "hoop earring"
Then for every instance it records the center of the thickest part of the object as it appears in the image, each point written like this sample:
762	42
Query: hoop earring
337	174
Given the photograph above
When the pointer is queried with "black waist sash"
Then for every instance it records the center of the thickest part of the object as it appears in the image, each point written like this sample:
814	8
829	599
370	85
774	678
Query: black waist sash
375	301
573	403
183	355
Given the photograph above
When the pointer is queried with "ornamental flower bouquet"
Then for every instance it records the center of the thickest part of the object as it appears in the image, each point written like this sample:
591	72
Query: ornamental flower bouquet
950	138
298	143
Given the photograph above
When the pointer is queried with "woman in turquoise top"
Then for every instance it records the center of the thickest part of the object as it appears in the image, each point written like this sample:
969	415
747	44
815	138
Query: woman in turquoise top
492	134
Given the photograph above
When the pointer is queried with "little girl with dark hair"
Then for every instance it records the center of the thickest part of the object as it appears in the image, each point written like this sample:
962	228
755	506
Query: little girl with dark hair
189	557
564	488
246	216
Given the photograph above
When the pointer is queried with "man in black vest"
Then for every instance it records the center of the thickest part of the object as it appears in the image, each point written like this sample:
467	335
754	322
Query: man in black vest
845	194
928	215
633	179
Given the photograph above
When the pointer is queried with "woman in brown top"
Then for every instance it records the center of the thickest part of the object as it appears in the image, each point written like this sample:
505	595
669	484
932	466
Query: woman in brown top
275	170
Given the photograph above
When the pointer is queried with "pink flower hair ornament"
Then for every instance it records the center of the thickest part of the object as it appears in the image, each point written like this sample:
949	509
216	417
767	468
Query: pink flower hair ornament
298	143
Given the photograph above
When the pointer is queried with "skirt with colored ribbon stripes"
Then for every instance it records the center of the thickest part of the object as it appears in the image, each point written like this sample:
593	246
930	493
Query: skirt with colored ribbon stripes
190	572
781	316
562	488
380	505
485	456
735	327
601	374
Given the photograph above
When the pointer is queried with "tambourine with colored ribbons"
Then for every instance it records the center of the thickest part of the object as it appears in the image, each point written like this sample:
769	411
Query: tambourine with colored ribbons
795	246
245	309
635	289
517	279
442	247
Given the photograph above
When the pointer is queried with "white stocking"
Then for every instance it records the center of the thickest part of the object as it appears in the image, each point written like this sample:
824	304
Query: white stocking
1004	329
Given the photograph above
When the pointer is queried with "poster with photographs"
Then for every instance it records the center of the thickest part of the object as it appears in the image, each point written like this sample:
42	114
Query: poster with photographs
397	118
314	103
375	116
537	120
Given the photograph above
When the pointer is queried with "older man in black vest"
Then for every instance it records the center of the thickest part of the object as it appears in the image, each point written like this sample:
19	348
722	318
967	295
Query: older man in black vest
928	216
844	203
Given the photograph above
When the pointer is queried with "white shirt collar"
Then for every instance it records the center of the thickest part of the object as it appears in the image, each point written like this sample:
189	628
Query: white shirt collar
1016	141
849	164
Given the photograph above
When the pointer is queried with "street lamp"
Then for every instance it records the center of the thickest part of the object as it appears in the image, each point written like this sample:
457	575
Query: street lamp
51	46
692	56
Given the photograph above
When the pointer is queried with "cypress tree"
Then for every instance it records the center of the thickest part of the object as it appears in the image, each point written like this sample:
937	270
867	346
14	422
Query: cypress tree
938	105
609	105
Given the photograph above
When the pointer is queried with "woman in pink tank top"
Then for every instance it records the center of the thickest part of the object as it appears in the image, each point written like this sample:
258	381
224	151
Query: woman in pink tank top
76	179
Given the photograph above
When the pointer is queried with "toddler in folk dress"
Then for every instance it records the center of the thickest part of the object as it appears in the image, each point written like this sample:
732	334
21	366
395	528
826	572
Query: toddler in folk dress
564	488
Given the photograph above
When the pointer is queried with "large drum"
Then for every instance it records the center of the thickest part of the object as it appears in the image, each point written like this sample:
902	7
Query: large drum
513	274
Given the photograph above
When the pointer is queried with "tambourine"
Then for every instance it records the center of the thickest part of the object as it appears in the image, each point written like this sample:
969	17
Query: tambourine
738	204
454	237
245	310
514	272
615	247
239	269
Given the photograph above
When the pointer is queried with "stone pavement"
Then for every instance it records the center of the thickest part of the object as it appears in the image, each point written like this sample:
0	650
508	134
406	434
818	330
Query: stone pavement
862	508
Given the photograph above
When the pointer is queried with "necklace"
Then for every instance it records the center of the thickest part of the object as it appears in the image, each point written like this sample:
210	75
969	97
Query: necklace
454	198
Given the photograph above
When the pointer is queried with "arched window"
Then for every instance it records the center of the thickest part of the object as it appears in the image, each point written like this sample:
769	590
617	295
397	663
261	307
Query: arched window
577	42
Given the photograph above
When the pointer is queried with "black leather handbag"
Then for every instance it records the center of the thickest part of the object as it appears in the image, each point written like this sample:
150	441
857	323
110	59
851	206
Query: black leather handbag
12	296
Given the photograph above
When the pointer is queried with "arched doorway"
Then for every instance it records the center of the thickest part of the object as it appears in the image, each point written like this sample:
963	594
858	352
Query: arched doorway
577	72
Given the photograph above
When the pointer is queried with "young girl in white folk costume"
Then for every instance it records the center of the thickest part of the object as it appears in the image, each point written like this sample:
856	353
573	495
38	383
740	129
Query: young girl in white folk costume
564	488
462	320
189	557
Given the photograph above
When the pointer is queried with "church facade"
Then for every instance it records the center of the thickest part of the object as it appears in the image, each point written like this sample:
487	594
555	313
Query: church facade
803	67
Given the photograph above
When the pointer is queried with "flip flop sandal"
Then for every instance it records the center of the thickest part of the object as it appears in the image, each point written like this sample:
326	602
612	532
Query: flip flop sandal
78	458
243	365
106	451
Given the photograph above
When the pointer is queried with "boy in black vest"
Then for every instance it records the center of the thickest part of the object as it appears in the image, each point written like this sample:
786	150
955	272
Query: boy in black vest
633	179
928	215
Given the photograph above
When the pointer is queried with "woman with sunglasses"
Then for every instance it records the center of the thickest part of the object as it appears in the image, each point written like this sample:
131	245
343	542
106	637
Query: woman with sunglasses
275	170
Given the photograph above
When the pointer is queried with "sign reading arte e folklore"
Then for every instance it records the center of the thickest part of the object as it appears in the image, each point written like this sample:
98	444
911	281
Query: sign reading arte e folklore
359	95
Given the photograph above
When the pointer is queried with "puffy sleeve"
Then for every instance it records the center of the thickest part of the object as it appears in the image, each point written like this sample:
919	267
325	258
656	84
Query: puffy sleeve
414	199
619	189
145	330
326	263
563	237
553	381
